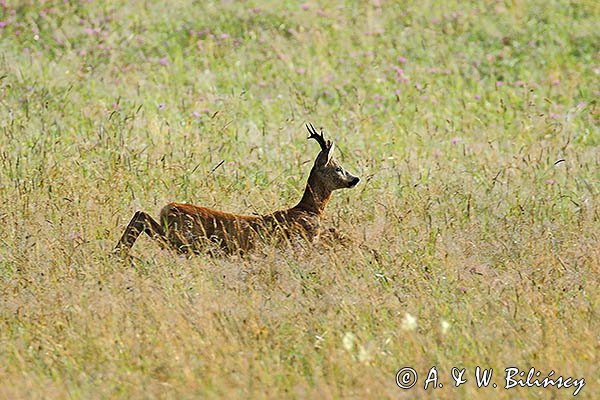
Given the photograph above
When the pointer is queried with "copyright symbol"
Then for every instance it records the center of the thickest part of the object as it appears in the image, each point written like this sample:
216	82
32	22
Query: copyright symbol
406	378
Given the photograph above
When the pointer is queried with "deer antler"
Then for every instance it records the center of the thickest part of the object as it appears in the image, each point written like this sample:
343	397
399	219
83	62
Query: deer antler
325	145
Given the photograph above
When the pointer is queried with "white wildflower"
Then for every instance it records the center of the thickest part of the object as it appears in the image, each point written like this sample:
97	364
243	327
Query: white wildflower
409	322
365	353
348	341
445	325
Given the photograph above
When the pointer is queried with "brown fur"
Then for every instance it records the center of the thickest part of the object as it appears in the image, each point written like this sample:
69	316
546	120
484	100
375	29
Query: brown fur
189	228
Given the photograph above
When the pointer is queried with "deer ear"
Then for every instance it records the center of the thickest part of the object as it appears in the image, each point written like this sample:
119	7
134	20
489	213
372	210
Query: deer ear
325	155
330	152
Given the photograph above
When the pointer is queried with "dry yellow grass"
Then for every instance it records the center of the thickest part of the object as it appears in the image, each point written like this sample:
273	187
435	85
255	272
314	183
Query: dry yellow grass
474	128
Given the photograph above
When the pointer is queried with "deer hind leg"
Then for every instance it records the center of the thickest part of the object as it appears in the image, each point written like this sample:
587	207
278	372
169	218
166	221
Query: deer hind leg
141	222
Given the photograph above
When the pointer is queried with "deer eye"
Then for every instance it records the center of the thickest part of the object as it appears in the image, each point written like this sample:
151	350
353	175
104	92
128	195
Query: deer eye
338	169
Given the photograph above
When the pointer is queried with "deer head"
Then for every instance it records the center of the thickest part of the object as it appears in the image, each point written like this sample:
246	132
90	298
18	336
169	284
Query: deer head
326	170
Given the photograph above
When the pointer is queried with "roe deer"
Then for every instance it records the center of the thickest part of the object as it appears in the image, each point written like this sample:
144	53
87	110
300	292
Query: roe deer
187	228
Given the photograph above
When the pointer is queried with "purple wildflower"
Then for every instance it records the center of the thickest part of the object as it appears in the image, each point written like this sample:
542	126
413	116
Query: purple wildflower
75	236
400	75
92	31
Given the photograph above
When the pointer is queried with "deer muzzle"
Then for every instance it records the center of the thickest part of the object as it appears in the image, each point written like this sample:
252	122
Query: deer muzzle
353	182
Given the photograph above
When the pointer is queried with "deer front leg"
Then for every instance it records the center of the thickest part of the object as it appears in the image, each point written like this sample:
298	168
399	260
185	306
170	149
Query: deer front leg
141	222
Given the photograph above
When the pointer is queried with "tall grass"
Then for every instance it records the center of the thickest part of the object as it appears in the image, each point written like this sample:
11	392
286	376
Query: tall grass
474	126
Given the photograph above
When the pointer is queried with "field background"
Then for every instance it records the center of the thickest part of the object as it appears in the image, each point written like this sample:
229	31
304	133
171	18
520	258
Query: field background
473	238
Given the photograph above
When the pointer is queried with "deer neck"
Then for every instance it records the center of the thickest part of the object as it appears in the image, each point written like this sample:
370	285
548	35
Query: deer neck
315	197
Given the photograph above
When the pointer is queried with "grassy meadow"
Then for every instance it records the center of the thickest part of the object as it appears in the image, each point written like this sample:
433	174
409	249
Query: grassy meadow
472	240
